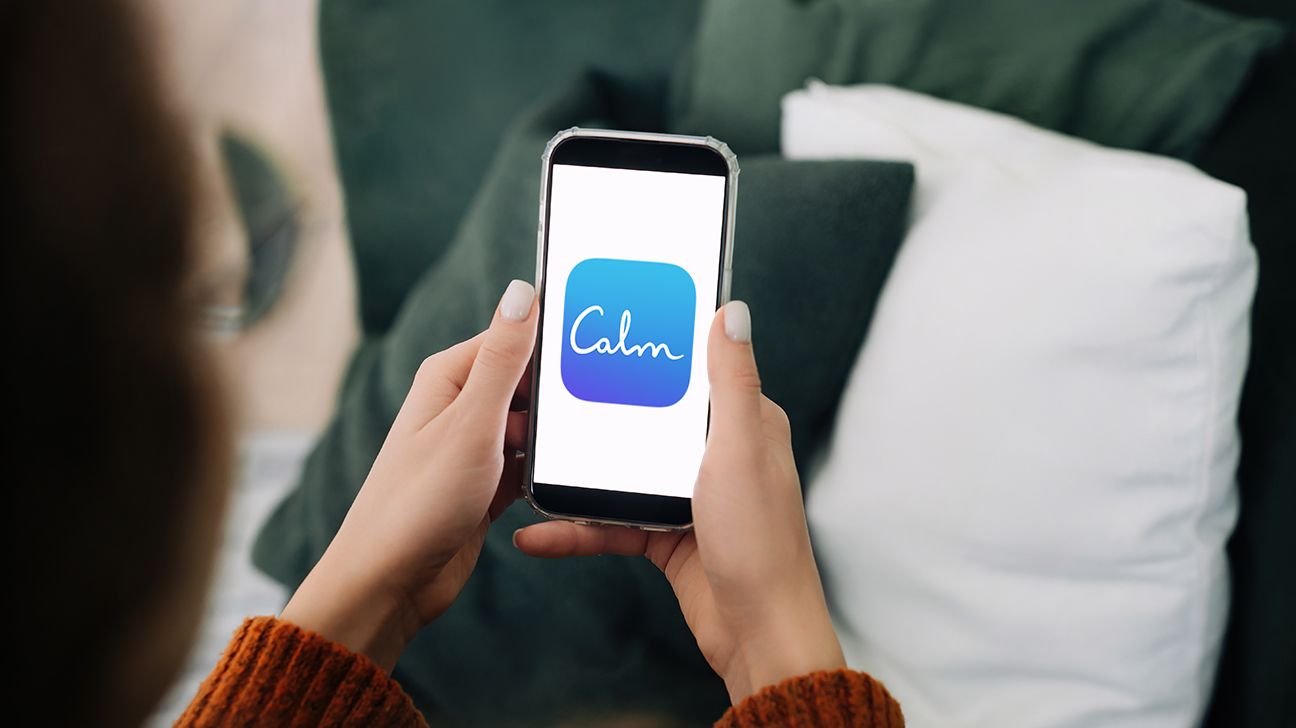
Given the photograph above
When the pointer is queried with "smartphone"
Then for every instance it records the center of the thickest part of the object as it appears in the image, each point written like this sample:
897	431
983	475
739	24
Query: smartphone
634	254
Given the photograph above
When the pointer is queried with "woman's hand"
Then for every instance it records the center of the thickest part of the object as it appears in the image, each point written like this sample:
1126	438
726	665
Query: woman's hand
745	575
446	470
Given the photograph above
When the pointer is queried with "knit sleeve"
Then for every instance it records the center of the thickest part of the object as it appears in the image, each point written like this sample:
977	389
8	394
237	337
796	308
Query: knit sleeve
276	674
831	699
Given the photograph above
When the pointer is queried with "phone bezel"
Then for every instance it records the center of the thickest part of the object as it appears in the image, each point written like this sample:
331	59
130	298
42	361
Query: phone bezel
622	150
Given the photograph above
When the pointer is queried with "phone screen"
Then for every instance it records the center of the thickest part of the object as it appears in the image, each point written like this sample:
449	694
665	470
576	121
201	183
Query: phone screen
631	279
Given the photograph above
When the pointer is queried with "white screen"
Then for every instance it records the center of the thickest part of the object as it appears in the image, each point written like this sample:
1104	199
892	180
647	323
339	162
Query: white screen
610	232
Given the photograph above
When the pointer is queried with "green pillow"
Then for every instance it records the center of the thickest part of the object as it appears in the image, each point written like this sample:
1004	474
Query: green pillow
1153	75
586	638
420	92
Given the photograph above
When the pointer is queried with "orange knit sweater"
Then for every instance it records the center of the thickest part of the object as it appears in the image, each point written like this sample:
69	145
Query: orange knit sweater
276	674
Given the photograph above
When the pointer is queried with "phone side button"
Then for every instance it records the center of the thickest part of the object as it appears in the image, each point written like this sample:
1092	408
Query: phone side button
654	529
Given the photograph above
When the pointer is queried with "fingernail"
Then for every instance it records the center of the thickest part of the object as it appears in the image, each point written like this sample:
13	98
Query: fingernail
737	322
515	304
515	535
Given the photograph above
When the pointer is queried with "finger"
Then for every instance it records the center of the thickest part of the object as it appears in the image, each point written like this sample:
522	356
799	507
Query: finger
735	383
510	485
437	382
775	421
664	547
503	355
522	395
559	539
516	430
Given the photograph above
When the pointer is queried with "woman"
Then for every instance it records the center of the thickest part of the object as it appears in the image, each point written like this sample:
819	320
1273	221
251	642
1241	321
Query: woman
120	472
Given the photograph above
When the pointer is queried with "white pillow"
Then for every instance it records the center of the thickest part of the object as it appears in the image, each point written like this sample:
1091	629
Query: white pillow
1021	518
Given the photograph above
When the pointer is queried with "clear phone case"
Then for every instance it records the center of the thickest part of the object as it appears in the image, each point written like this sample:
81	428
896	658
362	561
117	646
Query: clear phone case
731	161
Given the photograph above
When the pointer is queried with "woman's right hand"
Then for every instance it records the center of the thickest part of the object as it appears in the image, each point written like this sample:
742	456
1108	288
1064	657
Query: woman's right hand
745	576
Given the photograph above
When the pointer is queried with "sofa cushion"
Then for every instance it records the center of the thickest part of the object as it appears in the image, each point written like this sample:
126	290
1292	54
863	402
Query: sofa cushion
1023	514
1154	75
421	91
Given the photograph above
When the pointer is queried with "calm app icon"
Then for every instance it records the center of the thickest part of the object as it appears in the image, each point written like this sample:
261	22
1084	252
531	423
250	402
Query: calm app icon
628	332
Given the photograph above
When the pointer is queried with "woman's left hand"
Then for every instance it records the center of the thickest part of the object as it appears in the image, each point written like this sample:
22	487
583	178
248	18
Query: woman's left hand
447	469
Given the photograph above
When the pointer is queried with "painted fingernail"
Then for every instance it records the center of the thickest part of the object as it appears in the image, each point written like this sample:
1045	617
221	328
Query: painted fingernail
515	304
737	322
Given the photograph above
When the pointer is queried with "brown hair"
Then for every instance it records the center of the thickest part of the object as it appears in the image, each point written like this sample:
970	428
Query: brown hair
114	430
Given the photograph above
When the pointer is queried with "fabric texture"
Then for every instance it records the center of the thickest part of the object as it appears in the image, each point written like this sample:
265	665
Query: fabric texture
1154	75
420	93
1044	416
836	699
588	638
275	674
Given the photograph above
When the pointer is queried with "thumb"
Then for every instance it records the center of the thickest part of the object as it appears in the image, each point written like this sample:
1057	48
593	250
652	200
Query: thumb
504	353
731	367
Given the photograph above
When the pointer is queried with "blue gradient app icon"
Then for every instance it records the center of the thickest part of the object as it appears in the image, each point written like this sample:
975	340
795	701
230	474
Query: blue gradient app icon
628	332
